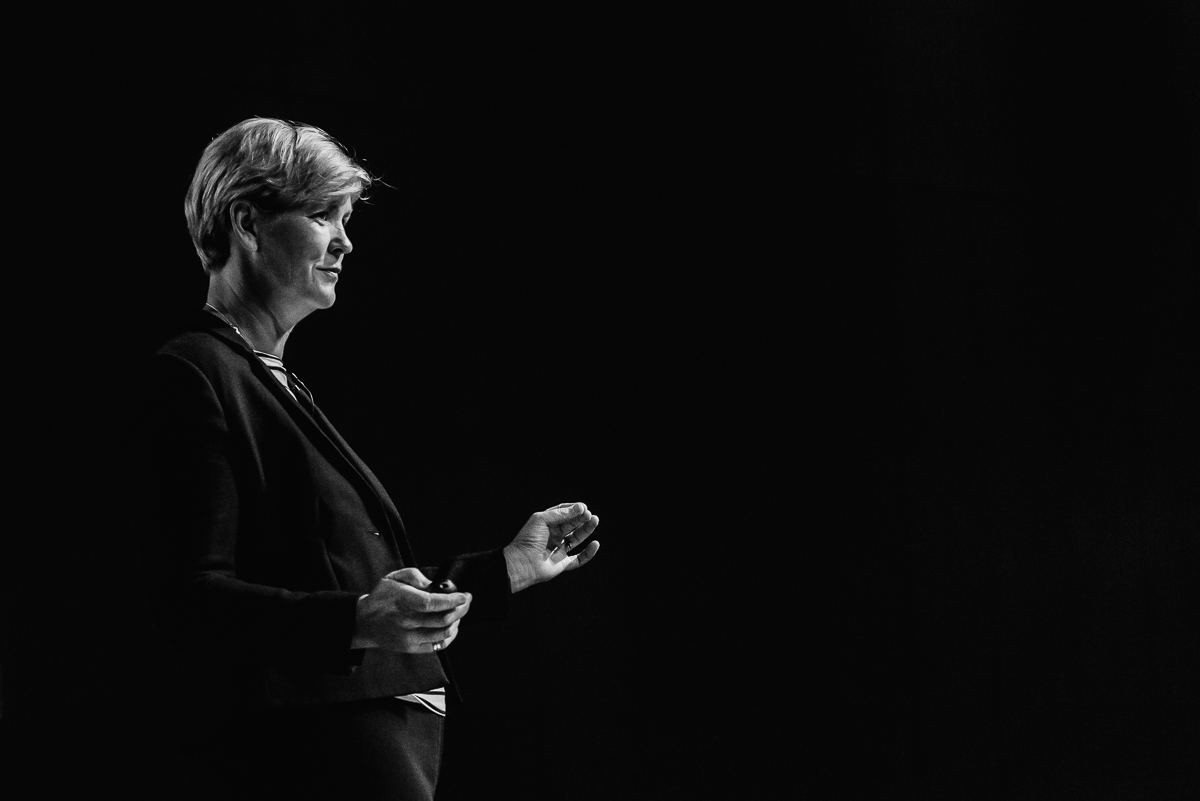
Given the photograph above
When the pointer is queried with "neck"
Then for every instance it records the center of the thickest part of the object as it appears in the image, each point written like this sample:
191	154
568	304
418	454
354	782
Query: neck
263	327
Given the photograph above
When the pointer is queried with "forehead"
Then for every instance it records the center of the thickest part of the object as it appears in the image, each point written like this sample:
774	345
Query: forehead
342	203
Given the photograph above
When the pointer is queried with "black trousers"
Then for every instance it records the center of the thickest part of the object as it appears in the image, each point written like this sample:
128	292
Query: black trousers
378	749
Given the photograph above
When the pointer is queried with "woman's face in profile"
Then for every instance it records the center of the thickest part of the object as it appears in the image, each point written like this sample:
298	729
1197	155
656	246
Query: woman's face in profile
301	254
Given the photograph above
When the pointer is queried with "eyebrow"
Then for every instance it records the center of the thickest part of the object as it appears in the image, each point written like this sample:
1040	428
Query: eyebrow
332	206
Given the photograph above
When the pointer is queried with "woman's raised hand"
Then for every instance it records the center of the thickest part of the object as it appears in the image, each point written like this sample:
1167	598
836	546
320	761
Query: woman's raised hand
539	551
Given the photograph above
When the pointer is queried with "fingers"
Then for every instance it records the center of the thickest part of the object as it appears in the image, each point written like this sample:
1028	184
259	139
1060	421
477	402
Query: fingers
413	577
406	633
409	608
585	530
417	599
565	512
443	637
578	536
437	618
581	559
410	576
575	530
425	640
399	616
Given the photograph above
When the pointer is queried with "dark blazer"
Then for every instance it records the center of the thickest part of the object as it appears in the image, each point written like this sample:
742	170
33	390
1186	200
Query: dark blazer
263	528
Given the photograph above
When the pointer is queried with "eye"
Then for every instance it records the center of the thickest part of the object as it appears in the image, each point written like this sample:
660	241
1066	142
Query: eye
329	215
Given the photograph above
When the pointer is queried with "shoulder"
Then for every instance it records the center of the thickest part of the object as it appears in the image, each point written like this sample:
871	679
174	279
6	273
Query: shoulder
203	346
200	348
199	359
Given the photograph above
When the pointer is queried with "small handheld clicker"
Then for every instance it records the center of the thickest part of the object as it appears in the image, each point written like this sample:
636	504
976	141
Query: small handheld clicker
441	579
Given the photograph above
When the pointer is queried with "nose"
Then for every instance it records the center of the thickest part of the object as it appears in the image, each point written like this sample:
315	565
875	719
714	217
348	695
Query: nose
340	243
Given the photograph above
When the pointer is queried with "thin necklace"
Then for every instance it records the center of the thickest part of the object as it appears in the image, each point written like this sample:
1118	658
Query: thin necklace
229	323
292	376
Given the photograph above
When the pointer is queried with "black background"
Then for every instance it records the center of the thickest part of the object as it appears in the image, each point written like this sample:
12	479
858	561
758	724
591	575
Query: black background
871	338
1008	195
530	316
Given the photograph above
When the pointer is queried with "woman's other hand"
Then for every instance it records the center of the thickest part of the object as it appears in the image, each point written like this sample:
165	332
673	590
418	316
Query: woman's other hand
399	615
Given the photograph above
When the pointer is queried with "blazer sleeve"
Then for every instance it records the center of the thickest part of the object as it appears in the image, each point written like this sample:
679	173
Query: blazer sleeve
190	529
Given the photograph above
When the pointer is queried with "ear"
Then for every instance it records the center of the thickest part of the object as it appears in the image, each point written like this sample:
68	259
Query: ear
243	224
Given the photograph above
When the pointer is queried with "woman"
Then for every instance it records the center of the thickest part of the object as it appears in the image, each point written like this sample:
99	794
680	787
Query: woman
315	645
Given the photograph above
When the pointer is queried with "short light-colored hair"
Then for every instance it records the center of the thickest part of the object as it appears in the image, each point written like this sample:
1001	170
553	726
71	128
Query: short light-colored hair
274	164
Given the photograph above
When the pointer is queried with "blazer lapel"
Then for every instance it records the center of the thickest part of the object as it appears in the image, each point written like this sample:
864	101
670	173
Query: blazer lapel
368	478
320	431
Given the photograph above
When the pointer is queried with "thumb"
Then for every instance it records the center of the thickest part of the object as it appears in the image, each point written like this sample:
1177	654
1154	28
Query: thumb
565	511
410	576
